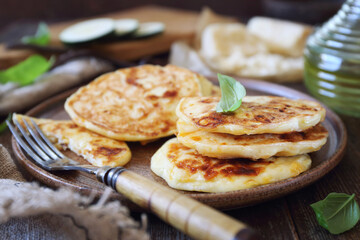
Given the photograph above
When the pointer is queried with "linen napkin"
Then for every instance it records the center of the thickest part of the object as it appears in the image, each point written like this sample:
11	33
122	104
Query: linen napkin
59	214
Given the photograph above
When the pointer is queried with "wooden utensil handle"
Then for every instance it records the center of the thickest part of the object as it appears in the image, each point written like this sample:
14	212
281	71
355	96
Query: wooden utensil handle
186	214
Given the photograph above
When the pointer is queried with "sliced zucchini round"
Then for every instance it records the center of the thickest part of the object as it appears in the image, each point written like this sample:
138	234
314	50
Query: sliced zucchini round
125	26
149	29
87	31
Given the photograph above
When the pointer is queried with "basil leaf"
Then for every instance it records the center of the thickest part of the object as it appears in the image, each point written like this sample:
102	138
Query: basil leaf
232	93
338	212
3	125
41	37
27	71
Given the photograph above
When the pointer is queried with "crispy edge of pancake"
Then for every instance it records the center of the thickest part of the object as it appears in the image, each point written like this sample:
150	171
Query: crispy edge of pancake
91	146
216	145
215	122
205	87
276	169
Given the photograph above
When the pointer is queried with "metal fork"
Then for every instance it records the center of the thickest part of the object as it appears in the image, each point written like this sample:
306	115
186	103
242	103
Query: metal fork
186	214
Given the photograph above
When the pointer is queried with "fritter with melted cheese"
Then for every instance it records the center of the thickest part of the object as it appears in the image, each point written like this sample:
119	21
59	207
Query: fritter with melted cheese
96	149
257	146
256	115
135	104
184	168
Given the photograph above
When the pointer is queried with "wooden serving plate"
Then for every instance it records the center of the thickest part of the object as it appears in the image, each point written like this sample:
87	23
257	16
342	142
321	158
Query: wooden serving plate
323	160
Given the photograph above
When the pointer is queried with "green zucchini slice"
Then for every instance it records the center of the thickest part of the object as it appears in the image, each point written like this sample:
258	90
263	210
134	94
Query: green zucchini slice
149	29
87	31
125	26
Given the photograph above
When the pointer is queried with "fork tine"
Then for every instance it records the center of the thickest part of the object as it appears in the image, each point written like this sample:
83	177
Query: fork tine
38	130
24	146
33	132
32	144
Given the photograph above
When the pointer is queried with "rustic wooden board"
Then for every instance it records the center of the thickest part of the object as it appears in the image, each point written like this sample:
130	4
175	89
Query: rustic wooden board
323	161
180	25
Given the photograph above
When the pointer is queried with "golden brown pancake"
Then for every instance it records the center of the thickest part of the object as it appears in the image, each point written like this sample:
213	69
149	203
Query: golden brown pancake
135	104
256	115
184	168
96	149
256	146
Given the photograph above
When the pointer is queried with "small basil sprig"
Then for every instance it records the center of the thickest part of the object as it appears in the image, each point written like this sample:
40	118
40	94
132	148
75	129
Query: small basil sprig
41	37
337	213
27	71
232	93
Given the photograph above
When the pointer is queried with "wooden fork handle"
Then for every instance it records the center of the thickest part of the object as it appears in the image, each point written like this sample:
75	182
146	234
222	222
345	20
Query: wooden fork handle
186	214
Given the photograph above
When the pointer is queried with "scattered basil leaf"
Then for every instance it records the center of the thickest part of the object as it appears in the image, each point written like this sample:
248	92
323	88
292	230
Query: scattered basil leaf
232	93
41	37
337	213
25	72
3	125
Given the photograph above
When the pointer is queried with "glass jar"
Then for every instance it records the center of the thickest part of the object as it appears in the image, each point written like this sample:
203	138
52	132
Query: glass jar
332	61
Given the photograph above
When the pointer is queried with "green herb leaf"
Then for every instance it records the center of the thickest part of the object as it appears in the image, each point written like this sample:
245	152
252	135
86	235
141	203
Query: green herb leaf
3	125
41	37
27	71
232	93
338	212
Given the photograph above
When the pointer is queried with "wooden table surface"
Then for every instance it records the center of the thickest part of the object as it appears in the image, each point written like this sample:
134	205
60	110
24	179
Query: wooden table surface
289	217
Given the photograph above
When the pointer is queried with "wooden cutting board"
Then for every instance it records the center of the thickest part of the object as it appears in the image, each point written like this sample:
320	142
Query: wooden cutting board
180	25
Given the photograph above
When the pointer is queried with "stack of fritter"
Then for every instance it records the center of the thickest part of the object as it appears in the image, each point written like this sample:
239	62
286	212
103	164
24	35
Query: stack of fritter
266	140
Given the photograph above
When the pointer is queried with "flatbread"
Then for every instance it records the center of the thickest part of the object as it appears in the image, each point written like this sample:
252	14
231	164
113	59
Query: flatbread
96	149
135	104
184	168
232	49
280	36
256	115
257	146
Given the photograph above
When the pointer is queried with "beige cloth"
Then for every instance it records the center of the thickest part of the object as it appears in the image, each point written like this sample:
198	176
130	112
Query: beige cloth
8	169
65	76
30	211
